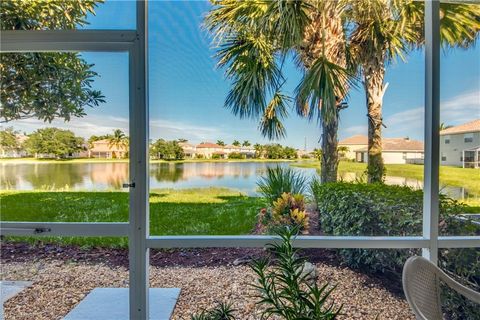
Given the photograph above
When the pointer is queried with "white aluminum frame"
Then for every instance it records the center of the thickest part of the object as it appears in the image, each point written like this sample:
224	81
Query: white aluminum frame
135	43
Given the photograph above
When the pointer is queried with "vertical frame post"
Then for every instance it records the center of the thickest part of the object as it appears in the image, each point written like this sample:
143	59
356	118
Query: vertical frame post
432	126
139	206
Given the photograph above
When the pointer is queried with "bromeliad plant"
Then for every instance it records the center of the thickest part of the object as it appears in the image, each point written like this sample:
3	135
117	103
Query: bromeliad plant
288	210
284	288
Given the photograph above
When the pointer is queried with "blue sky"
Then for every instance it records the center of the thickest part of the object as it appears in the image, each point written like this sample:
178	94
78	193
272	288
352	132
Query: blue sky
187	91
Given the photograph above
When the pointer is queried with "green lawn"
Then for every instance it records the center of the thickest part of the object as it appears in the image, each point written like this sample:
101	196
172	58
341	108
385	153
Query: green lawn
172	212
449	176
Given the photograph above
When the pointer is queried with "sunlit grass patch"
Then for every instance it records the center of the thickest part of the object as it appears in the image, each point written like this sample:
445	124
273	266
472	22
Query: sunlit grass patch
206	211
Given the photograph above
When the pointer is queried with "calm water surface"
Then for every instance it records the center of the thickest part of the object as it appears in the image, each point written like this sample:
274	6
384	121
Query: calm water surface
111	175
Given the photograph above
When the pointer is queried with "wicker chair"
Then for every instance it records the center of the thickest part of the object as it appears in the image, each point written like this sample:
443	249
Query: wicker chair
421	284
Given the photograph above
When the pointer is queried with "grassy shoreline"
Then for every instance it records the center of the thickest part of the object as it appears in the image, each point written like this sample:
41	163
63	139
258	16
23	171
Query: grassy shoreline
205	211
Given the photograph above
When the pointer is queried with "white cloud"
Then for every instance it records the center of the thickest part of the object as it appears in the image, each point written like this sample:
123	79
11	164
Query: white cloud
175	130
98	125
355	130
459	109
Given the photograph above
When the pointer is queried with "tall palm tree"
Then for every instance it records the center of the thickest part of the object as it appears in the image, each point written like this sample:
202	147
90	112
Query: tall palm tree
383	30
118	140
254	39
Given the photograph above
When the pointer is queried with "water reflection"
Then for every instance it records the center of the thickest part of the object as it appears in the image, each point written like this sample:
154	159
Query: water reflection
111	175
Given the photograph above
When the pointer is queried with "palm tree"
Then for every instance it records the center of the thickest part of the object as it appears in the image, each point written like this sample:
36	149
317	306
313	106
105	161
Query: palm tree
246	143
255	38
118	140
383	30
236	143
258	150
220	142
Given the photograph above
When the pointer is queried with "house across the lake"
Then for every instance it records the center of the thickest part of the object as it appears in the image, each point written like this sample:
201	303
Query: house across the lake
352	144
460	145
104	149
209	149
395	150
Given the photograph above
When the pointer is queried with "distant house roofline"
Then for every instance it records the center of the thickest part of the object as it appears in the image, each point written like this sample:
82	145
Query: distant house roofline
469	127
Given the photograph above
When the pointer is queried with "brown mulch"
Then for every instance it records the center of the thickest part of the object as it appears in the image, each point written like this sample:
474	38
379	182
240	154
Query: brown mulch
62	277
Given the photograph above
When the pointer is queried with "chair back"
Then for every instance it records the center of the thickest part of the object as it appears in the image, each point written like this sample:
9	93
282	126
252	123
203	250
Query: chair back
421	285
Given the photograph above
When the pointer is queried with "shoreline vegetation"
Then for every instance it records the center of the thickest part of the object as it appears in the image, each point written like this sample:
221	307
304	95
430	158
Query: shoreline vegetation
101	160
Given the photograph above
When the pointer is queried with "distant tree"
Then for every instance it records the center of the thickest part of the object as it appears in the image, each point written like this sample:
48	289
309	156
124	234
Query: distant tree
317	153
220	142
444	126
8	140
258	150
181	140
246	143
46	85
289	153
273	151
118	140
166	150
53	141
236	143
236	155
342	151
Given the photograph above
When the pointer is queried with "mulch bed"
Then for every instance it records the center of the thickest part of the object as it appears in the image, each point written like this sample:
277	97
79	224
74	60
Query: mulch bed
62	277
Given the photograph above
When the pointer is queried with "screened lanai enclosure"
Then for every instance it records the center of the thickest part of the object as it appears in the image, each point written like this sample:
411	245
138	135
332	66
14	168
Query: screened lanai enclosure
155	81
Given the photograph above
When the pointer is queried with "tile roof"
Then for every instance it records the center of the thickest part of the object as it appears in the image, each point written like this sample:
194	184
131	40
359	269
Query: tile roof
472	126
209	145
358	139
399	144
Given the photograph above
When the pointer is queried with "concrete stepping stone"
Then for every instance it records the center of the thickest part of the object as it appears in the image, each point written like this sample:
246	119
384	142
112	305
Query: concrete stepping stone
9	289
112	304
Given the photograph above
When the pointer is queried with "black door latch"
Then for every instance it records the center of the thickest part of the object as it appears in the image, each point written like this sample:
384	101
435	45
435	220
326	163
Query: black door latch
128	185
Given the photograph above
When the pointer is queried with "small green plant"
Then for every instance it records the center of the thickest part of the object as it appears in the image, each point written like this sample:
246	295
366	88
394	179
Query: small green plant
216	156
222	311
279	180
285	290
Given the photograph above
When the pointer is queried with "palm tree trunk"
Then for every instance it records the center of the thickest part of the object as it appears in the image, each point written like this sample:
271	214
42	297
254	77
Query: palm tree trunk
374	74
329	162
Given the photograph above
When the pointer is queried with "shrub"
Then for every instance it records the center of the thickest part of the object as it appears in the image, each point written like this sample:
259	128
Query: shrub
285	290
216	156
350	209
279	180
288	210
199	156
236	155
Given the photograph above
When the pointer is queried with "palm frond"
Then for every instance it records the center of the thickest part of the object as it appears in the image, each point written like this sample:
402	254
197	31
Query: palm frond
251	64
285	21
276	111
229	16
318	92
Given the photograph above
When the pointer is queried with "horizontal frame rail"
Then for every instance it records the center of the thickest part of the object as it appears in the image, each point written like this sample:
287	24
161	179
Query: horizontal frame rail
66	40
300	241
332	242
459	242
79	229
121	229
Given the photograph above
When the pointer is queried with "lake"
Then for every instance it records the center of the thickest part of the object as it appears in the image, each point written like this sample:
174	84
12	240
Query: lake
111	175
